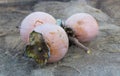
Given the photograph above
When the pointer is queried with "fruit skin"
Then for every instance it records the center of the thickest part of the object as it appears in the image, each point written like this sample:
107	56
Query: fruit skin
84	26
56	38
32	20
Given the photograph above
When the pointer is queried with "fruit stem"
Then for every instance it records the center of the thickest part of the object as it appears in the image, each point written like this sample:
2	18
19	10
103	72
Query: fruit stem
76	42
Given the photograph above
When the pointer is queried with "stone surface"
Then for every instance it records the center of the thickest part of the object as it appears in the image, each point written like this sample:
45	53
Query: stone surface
92	2
112	8
103	61
64	10
16	2
65	71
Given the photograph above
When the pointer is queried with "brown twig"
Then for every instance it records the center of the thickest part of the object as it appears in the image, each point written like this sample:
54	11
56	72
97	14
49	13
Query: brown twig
2	34
76	42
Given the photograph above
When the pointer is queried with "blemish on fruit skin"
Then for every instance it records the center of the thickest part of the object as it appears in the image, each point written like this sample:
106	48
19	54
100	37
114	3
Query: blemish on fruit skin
80	33
79	22
52	32
38	22
52	48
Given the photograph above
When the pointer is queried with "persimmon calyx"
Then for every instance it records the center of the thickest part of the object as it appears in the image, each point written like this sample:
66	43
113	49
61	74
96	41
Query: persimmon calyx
37	48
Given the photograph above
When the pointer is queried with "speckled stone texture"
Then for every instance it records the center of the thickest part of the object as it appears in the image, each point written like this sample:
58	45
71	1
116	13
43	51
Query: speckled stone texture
103	61
16	2
110	7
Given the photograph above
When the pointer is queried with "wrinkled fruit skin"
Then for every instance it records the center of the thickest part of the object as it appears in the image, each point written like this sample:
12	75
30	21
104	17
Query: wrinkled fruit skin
56	38
84	26
33	20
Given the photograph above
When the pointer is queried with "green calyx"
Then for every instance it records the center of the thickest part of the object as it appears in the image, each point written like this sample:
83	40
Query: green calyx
60	22
68	30
37	49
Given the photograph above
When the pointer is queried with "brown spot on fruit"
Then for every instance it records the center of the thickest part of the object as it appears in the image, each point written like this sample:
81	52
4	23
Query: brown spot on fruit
84	26
79	22
52	32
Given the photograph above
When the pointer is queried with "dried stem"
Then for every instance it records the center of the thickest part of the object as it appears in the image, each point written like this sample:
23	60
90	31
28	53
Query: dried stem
76	42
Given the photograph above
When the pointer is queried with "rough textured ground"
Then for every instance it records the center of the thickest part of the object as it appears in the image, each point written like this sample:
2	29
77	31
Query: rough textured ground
111	7
103	61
